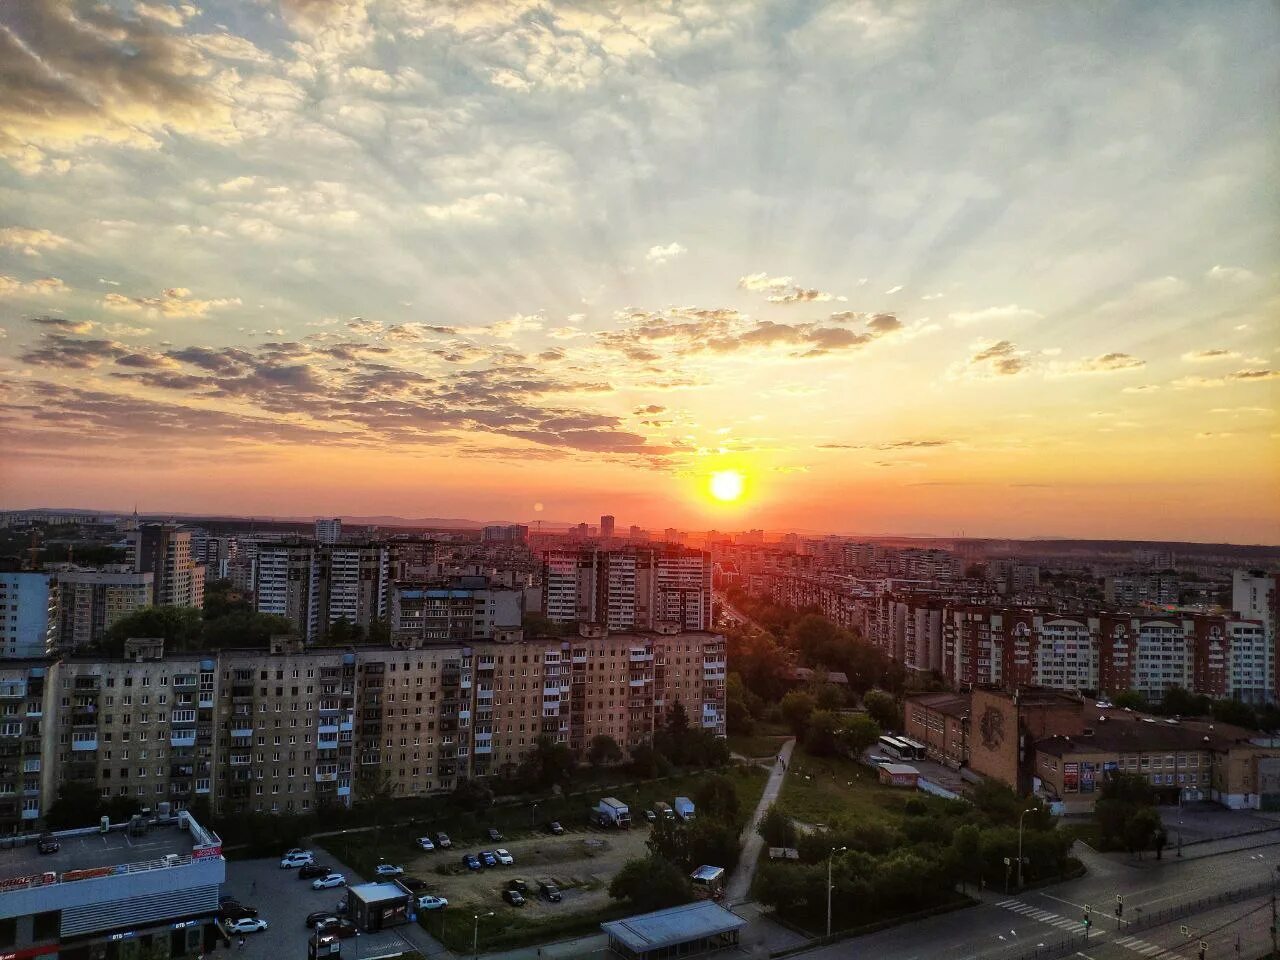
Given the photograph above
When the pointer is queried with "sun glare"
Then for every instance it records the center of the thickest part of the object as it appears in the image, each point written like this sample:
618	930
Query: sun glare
726	485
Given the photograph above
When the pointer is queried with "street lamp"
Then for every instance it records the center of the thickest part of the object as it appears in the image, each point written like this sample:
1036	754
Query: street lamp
1020	816
830	857
475	935
533	817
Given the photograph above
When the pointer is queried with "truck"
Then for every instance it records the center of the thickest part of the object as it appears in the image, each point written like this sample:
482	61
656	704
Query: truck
708	882
684	809
612	812
664	811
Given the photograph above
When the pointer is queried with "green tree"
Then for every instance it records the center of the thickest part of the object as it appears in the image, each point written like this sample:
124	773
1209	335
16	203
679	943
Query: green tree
777	828
547	764
1131	699
822	734
828	696
715	797
243	628
180	627
1183	703
647	762
537	624
603	750
651	883
1235	712
796	708
342	632
883	709
472	795
1142	829
859	733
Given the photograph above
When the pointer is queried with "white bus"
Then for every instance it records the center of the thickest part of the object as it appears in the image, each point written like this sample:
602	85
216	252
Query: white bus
894	747
918	750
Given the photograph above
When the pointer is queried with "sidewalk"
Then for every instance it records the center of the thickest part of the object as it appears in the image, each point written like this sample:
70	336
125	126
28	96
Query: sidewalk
752	843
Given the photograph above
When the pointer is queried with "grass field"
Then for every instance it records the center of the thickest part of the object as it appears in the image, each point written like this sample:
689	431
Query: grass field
764	742
837	788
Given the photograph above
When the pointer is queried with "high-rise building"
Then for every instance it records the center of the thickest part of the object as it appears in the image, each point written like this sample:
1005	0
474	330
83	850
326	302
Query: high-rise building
505	533
28	614
164	551
316	585
217	555
90	602
25	740
631	588
606	527
329	531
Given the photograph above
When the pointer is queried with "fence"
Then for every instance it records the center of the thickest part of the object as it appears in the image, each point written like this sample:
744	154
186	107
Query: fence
1143	919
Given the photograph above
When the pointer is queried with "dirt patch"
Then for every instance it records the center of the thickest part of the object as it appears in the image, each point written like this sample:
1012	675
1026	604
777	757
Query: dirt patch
581	863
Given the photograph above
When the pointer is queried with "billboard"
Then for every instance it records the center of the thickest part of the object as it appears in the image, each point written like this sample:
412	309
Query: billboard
1071	778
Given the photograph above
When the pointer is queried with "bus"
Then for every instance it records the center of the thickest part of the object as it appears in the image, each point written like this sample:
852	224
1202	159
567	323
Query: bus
893	747
918	751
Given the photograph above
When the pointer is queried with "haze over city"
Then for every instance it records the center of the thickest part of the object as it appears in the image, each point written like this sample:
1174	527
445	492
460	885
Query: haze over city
913	268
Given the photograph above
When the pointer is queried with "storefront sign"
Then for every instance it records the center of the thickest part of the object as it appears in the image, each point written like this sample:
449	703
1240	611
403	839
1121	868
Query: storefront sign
201	853
1071	778
88	874
1086	777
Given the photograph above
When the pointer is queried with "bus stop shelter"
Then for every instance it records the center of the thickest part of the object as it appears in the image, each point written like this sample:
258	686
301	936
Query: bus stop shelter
685	931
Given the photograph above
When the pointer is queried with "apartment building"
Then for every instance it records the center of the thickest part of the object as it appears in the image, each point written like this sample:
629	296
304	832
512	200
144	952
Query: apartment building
316	585
142	726
634	588
329	530
25	742
91	602
218	555
464	608
28	614
164	551
1139	589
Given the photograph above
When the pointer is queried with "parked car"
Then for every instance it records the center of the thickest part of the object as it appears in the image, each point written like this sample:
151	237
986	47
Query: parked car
318	917
426	844
554	827
518	885
443	841
297	850
340	927
332	880
651	816
429	902
504	858
488	859
236	911
48	844
296	858
494	834
412	884
247	925
388	870
471	861
312	870
514	897
548	890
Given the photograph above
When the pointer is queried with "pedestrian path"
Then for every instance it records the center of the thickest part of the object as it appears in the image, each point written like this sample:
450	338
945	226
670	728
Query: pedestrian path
752	843
1140	946
1043	916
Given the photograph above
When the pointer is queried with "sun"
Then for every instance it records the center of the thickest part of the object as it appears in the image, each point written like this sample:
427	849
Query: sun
726	485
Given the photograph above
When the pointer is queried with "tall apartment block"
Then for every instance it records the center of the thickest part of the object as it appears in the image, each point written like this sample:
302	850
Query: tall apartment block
90	602
466	608
25	743
505	533
607	524
216	554
329	531
164	551
315	585
626	589
28	614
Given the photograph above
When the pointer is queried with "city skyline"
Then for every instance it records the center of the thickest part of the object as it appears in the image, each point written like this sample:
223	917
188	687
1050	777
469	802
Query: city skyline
913	269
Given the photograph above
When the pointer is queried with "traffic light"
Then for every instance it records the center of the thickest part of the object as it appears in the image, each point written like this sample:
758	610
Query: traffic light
1088	921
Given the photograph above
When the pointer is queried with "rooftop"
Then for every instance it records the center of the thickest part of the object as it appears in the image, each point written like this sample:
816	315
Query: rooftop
87	849
950	704
378	892
1133	737
662	928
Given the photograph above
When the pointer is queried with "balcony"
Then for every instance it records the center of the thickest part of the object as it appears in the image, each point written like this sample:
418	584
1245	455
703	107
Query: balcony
182	737
641	656
240	759
327	728
206	699
345	725
326	776
28	814
185	683
241	730
85	744
344	791
242	691
327	743
638	684
84	718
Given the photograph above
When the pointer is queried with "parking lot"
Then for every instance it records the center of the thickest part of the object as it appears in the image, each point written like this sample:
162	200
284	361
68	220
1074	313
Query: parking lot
284	901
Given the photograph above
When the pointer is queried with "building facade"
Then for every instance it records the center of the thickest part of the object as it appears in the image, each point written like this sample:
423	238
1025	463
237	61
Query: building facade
91	602
28	614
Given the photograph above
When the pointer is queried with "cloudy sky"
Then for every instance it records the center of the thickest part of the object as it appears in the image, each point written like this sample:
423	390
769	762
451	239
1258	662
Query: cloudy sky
999	268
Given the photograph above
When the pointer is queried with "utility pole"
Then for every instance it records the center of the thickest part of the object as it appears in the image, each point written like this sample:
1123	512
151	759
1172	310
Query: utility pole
830	857
1020	817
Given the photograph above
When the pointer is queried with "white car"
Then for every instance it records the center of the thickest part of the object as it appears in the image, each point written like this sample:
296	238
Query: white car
247	925
426	844
428	902
388	870
296	858
443	841
332	880
504	857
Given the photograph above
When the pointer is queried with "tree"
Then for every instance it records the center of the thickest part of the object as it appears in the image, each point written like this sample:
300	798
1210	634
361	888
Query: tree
796	707
677	721
821	735
180	627
739	716
651	883
1183	703
1142	829
883	709
243	628
859	733
603	750
77	805
1235	712
342	632
647	762
472	795
536	624
1131	699
828	696
547	764
120	808
777	828
715	797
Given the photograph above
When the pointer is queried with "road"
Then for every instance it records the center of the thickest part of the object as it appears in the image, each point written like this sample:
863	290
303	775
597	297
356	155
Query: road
735	614
1004	927
752	843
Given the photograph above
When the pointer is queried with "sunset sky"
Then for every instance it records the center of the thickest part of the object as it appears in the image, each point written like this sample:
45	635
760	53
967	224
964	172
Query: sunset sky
1010	269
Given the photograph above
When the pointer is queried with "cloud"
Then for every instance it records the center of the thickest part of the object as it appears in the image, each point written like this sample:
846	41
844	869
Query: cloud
60	350
660	255
171	16
994	314
650	409
782	289
508	328
1253	375
31	241
894	289
172	303
1142	388
64	325
1203	356
1106	363
888	445
999	359
76	73
1231	274
42	287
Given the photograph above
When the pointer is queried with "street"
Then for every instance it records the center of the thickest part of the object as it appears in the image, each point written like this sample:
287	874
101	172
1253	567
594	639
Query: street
1004	927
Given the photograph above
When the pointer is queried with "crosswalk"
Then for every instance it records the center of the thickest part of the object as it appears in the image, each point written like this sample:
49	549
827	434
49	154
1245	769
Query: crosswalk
1141	946
1044	916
